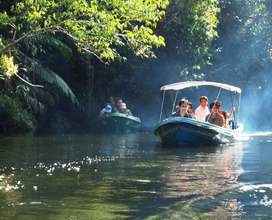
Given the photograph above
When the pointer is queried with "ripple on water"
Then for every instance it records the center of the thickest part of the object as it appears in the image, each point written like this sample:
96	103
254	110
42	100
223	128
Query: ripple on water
8	184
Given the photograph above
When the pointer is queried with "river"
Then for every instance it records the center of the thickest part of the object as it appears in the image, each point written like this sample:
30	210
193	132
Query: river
84	177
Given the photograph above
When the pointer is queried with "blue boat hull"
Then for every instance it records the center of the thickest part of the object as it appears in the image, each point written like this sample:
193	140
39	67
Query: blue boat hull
180	130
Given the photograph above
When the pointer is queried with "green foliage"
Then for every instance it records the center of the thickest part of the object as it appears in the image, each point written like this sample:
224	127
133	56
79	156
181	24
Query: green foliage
47	43
34	99
258	23
97	27
13	117
190	28
5	19
1	43
245	40
29	28
58	47
56	81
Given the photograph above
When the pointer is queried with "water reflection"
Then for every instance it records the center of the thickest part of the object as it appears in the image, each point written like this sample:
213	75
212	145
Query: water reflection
204	173
251	197
129	177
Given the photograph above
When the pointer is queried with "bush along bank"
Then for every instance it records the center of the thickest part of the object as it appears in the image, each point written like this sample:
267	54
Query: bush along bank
13	118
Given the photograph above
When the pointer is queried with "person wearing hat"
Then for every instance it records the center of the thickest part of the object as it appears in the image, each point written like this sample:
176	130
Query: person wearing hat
202	110
215	117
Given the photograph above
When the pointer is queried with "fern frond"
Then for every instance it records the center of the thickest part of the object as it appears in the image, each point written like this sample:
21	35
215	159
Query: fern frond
50	77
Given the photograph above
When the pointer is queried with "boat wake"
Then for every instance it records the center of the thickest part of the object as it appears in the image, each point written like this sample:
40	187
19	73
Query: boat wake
258	134
244	136
259	194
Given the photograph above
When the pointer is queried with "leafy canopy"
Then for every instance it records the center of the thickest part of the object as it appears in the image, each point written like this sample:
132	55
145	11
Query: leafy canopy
100	27
190	29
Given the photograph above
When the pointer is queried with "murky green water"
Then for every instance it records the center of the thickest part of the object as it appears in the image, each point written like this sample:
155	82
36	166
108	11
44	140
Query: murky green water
80	177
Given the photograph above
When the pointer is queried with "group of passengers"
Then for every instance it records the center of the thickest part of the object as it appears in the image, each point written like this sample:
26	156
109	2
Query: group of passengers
115	105
214	115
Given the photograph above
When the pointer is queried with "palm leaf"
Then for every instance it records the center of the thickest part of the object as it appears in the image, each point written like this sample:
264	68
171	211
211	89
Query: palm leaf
41	43
50	77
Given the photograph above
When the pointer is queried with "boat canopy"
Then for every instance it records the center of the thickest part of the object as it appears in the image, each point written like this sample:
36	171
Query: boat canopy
188	84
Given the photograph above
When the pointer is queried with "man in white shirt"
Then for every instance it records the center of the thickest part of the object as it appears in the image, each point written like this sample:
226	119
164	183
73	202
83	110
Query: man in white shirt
202	110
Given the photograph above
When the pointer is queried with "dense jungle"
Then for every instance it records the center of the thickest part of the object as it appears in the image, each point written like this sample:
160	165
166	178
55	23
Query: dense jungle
60	60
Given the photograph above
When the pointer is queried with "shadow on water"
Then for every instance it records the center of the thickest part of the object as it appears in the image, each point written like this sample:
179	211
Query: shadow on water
128	177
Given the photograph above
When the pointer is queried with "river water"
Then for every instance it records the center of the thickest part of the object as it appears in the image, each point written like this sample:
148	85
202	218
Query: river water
85	177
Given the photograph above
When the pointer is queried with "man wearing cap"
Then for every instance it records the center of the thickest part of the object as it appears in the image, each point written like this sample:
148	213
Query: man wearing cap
202	110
